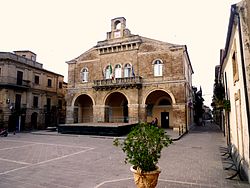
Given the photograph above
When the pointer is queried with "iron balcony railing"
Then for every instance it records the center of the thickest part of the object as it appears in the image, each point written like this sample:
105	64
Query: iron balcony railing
128	82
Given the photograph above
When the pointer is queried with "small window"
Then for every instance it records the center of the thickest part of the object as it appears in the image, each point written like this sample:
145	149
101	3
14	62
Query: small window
127	70
118	71
108	72
35	102
49	83
235	67
158	68
60	85
36	79
84	75
19	77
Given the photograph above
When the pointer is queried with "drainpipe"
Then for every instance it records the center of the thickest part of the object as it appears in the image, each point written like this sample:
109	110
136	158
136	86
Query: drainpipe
243	71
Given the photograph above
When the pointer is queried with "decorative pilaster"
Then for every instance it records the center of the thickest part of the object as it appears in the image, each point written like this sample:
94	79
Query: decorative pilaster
143	112
70	115
179	117
133	113
98	113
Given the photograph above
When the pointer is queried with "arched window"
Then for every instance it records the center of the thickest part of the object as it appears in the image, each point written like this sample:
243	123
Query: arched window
117	25
118	71
108	72
127	70
84	75
158	67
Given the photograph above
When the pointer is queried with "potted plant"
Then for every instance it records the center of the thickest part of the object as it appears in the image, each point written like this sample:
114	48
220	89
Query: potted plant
143	146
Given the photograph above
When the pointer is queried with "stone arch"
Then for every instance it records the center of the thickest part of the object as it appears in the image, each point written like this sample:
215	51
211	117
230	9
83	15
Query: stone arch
116	107
127	63
84	68
163	101
83	109
79	94
117	25
155	60
159	104
168	92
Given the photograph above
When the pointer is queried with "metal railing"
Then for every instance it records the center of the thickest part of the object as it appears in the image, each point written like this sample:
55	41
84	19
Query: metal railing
135	81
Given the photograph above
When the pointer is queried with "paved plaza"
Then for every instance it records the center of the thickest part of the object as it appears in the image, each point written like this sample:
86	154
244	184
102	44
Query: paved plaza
48	159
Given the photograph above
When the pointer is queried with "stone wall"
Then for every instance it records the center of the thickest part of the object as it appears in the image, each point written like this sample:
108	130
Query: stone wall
140	52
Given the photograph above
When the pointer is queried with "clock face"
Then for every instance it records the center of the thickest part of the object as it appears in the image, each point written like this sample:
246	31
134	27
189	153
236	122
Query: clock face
117	34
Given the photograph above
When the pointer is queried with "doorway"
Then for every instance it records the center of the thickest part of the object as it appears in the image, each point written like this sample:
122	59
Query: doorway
165	119
34	120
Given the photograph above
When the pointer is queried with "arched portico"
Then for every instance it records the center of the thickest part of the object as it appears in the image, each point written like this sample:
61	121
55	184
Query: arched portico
116	108
159	105
83	109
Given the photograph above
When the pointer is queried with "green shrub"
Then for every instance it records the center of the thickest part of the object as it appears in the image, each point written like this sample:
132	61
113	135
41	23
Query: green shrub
143	146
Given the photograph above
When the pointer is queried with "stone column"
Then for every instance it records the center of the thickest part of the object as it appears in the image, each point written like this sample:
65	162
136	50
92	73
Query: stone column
143	112
70	115
98	113
179	117
133	113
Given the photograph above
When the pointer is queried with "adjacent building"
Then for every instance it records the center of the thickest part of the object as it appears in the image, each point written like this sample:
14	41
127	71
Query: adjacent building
235	80
31	97
129	78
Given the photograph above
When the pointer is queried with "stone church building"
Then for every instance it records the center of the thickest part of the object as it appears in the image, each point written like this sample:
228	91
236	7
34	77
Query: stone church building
128	78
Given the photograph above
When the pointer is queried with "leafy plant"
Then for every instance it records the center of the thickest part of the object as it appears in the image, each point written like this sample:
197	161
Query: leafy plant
218	96
226	105
143	146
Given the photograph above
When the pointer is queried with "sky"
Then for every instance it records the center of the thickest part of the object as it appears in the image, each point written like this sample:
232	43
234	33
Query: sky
61	30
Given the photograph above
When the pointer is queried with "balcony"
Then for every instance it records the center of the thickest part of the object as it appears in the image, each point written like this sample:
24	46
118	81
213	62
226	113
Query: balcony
109	84
11	82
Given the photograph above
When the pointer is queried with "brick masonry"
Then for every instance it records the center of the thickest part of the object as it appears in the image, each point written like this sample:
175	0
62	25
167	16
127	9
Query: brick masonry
174	85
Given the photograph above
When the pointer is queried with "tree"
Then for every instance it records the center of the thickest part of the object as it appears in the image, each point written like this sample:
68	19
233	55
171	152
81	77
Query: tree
198	105
218	101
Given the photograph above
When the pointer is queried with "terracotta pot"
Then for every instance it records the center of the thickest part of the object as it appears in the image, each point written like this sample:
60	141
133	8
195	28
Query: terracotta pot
146	179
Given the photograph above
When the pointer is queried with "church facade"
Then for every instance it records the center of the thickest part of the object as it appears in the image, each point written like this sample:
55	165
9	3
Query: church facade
129	78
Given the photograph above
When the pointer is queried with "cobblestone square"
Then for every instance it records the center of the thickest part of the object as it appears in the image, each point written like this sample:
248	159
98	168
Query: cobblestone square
70	161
